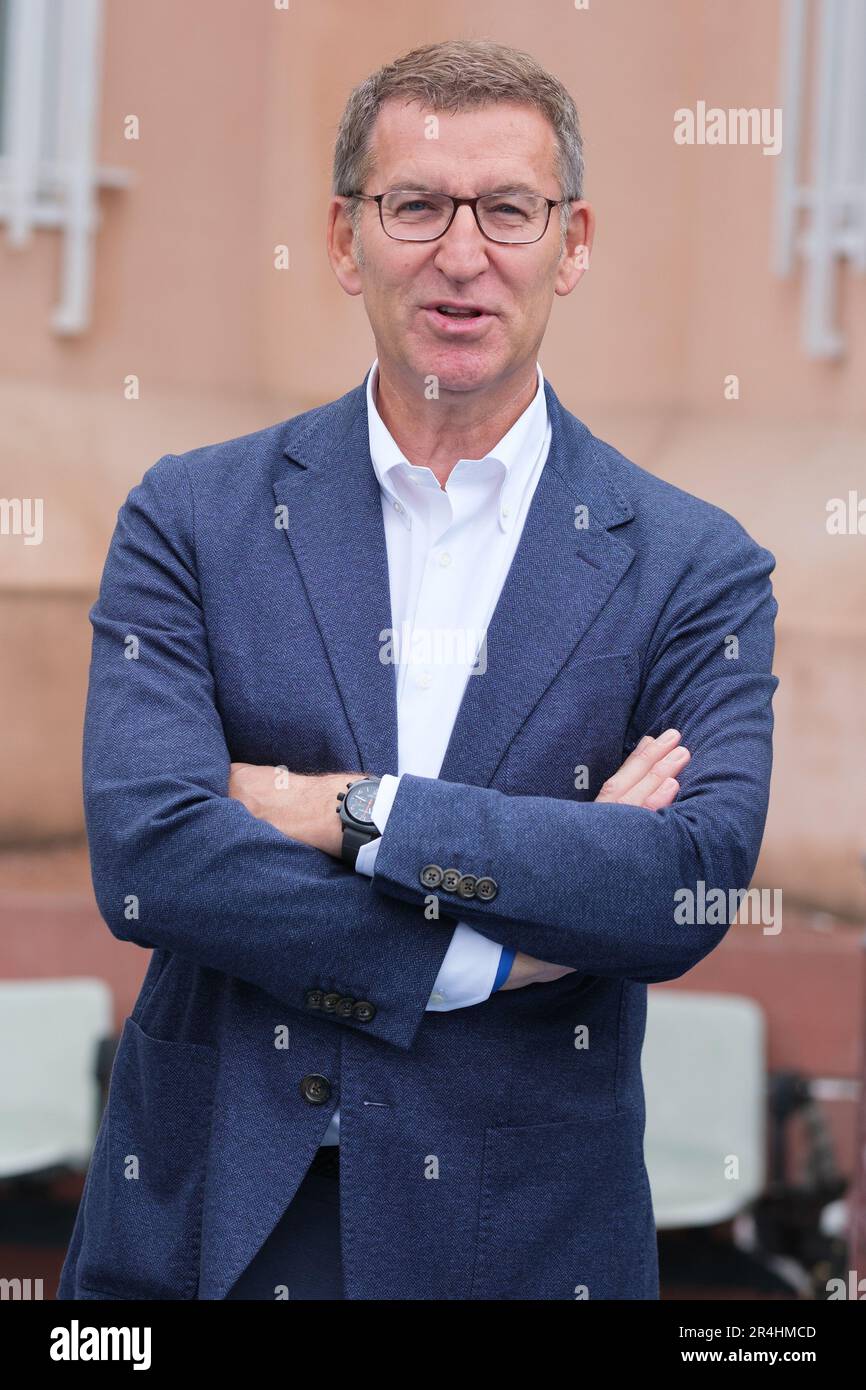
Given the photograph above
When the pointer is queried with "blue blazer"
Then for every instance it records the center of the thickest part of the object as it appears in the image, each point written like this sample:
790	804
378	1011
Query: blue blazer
492	1152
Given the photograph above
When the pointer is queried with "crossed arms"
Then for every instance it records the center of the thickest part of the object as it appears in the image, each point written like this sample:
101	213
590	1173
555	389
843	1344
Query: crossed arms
303	807
180	865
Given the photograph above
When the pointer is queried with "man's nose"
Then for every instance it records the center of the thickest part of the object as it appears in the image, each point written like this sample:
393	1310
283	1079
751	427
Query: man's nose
463	249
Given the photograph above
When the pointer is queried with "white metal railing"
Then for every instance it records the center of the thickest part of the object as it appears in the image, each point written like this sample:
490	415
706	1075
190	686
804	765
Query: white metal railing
821	215
48	171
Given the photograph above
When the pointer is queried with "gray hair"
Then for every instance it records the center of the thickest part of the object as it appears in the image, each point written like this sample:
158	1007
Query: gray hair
455	76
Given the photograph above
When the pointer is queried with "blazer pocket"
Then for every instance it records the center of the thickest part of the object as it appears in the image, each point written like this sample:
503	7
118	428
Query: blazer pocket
143	1199
566	1212
574	738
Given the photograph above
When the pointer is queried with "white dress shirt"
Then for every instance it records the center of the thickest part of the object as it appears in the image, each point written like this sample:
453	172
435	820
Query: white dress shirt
449	551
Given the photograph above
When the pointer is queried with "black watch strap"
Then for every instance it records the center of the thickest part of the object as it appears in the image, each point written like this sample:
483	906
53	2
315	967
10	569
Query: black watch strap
353	840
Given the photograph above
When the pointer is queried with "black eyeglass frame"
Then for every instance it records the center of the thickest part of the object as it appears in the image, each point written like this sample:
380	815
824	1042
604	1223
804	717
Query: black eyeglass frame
458	203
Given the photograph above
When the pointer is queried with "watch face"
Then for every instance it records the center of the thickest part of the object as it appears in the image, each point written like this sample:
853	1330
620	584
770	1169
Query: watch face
359	801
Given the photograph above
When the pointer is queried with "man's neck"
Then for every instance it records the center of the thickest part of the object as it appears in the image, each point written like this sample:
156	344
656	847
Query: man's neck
437	434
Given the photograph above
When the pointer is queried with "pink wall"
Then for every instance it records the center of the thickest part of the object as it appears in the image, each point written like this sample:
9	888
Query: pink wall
238	108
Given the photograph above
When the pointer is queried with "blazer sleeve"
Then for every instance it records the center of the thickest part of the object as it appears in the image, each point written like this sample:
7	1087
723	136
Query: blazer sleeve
177	864
604	888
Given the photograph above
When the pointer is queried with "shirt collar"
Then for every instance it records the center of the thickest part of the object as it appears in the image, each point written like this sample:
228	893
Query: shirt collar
517	451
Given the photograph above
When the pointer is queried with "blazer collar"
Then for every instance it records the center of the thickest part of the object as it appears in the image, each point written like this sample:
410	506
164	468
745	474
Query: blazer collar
513	458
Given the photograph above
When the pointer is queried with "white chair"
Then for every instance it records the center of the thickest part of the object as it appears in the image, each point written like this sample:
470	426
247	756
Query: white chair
704	1070
50	1031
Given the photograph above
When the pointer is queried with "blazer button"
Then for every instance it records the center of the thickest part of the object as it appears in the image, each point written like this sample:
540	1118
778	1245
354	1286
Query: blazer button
364	1011
450	879
344	1008
486	889
431	875
313	999
316	1089
330	1002
466	886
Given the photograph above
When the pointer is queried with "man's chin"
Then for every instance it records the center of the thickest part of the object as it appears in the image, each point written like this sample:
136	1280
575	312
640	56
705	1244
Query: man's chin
455	368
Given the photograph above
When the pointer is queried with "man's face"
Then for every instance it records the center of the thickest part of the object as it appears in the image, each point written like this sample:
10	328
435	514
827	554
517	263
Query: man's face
494	149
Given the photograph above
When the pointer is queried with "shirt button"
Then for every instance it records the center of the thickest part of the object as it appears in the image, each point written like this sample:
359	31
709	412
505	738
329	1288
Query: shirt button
424	680
506	511
398	506
444	559
437	998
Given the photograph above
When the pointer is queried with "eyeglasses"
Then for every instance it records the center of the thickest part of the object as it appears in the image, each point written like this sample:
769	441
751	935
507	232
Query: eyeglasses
408	214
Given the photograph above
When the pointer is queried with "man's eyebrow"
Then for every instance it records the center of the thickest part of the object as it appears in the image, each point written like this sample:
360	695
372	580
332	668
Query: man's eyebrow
417	186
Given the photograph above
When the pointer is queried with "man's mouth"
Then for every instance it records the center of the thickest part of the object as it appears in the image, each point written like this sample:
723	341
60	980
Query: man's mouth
457	313
455	321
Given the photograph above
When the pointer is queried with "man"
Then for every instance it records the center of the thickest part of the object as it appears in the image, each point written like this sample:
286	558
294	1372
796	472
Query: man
443	590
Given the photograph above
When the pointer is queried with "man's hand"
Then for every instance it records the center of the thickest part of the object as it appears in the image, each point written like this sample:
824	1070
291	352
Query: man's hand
648	775
646	779
301	806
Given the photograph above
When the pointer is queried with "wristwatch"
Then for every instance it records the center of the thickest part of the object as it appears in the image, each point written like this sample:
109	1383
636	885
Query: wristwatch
355	810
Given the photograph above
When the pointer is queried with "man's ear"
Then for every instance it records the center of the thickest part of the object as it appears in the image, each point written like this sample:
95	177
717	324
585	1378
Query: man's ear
578	246
340	253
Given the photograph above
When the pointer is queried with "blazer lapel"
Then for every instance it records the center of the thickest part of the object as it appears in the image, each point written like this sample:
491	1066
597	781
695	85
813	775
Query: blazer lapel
332	512
560	578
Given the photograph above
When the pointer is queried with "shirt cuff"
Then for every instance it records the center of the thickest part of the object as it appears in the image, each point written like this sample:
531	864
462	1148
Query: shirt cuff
468	971
381	809
366	858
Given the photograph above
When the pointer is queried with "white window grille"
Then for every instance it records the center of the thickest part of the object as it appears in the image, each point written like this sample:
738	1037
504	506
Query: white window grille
821	214
50	59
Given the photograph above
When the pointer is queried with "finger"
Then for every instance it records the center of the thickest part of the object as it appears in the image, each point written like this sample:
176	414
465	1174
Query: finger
638	764
663	795
671	765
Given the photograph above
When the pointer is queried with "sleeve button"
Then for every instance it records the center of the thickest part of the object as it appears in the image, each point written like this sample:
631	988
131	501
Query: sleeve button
467	886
